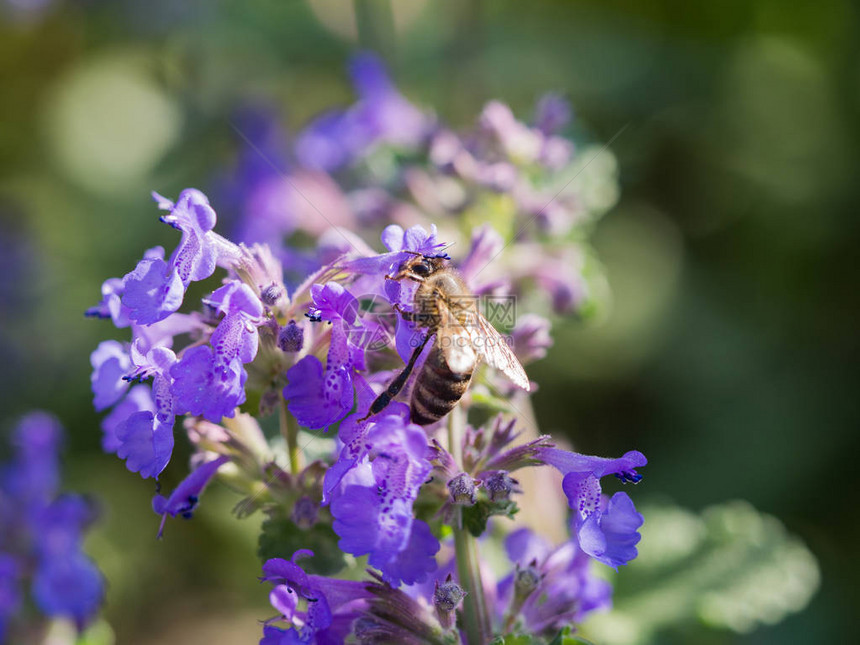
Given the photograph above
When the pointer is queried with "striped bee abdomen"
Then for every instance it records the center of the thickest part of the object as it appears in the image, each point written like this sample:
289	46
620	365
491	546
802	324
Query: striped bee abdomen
437	389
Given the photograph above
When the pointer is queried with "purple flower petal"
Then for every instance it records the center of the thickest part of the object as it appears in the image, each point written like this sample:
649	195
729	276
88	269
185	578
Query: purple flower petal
33	477
152	292
552	113
236	297
110	361
183	500
568	462
111	303
235	338
611	536
10	593
333	302
70	586
196	255
416	561
415	239
318	399
145	443
205	385
524	545
59	526
373	508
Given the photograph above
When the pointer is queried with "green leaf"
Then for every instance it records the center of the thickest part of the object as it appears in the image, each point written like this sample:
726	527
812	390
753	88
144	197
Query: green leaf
516	639
482	397
567	637
280	538
731	567
252	402
475	517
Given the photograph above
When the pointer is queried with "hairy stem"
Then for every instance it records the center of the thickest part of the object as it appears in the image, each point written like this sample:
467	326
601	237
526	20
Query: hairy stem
290	432
476	619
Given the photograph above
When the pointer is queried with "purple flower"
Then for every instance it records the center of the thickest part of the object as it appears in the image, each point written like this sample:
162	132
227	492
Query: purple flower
145	443
607	531
330	141
162	333
566	590
145	438
531	338
381	116
196	254
66	582
318	398
401	245
152	291
33	477
183	501
236	297
330	607
333	302
10	594
384	110
236	336
43	532
352	433
611	535
414	239
70	586
373	508
518	141
552	113
60	525
111	303
138	399
206	385
155	288
261	155
111	362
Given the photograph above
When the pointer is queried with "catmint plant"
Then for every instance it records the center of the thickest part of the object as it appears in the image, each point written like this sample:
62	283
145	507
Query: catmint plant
379	539
44	572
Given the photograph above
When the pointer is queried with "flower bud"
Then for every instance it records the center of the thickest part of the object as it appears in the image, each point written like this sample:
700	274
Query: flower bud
526	579
271	294
305	513
446	598
499	486
463	489
291	338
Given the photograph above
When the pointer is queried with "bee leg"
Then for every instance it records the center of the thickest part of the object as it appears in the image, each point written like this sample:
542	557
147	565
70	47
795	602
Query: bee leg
411	316
381	402
397	277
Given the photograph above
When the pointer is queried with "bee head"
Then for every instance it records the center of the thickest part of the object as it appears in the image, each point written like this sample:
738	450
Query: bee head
423	267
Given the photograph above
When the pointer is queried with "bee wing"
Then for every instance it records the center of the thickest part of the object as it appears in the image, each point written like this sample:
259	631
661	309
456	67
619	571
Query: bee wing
456	342
494	349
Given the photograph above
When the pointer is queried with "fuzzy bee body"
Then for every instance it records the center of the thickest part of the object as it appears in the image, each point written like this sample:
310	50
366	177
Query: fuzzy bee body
437	389
442	305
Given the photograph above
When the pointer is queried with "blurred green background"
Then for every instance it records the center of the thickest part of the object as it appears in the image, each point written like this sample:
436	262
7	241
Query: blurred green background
729	356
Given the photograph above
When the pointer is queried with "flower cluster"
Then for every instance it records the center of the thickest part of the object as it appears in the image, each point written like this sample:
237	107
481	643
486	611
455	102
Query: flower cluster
344	340
41	535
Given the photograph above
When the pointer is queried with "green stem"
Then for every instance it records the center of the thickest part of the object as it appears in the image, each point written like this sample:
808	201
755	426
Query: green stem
290	432
476	619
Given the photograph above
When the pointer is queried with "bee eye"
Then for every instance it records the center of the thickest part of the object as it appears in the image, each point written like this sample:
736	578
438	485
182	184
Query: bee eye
422	269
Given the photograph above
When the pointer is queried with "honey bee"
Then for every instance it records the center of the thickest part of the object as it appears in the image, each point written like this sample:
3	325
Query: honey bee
462	337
